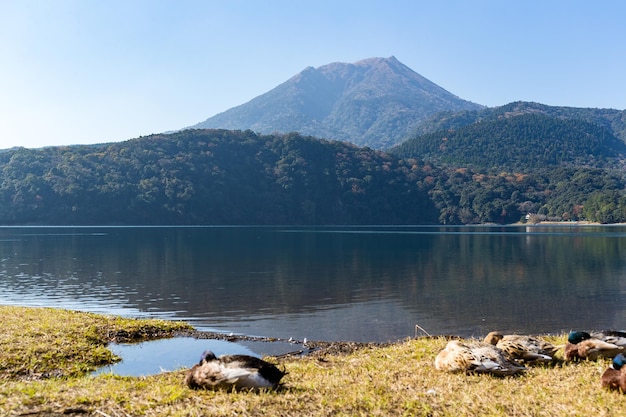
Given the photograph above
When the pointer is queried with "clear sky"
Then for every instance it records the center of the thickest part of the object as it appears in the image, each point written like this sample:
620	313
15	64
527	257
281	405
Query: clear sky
92	71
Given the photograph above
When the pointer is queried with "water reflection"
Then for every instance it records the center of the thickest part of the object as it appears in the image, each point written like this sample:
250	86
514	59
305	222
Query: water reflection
165	355
357	283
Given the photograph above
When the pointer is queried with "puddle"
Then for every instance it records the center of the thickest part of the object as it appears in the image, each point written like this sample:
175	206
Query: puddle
164	355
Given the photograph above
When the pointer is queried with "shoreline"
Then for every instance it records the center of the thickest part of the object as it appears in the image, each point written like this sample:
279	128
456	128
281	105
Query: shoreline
47	351
309	347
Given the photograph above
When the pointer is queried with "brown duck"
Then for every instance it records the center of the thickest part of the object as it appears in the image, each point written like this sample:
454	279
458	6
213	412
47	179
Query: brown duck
614	378
530	349
477	357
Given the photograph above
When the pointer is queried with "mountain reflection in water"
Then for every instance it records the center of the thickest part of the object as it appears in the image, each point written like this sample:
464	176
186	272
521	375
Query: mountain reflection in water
327	283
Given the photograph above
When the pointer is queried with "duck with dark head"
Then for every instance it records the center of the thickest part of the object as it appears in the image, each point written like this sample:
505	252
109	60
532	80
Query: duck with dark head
583	345
614	378
233	372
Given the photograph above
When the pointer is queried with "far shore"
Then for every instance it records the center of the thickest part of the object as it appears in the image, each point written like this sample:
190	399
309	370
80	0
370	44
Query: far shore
567	223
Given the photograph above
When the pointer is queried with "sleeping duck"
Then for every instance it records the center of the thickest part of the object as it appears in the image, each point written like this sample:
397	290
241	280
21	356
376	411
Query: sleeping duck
582	345
233	371
529	349
615	376
478	357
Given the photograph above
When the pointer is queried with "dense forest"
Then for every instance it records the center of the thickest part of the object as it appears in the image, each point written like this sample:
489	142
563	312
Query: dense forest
525	158
611	119
211	177
224	177
525	142
466	196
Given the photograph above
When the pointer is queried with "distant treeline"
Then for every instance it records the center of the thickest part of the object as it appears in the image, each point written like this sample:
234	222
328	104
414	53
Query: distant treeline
238	177
211	177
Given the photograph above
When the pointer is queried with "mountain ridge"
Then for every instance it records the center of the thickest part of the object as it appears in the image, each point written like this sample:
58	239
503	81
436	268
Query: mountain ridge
373	102
611	119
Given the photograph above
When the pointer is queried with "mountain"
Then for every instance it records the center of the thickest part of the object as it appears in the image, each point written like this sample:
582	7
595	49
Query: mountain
374	102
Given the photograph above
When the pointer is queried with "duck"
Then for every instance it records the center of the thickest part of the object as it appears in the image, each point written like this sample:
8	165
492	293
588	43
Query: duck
614	377
479	357
582	345
615	337
236	372
529	349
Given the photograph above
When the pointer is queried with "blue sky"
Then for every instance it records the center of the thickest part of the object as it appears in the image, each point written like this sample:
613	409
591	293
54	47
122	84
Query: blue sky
90	71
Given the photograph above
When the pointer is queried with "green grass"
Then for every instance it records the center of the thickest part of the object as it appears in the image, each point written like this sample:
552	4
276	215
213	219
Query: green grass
38	342
395	380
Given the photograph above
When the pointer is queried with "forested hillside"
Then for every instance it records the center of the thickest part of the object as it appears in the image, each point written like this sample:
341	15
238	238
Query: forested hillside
211	177
611	119
468	196
218	177
523	142
497	164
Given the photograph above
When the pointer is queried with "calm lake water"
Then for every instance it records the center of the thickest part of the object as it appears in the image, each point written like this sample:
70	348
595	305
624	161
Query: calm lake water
327	283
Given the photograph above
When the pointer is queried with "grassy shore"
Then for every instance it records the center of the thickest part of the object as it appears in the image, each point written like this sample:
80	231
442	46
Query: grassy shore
45	353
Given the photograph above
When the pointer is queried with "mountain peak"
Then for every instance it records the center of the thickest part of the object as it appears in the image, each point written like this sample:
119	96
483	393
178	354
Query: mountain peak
374	102
377	60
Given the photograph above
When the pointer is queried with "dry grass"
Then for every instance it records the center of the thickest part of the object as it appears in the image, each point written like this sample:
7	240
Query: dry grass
396	380
38	342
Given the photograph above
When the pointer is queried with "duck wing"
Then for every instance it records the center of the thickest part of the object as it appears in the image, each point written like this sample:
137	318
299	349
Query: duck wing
611	336
526	348
493	367
530	356
594	348
490	359
260	373
543	347
213	375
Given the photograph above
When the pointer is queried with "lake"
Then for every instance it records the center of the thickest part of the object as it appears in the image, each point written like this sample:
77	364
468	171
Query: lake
327	283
